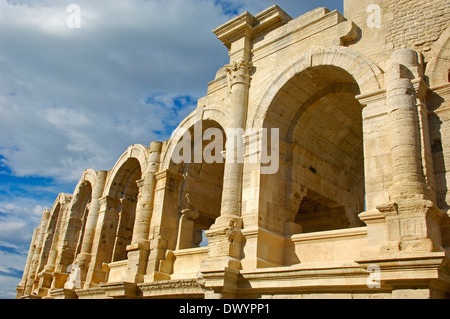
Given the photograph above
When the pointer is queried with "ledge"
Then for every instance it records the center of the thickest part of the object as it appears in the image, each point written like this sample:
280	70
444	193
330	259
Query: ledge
191	251
332	234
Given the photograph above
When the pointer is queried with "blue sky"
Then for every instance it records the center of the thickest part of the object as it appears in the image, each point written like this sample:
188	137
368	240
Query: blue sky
74	99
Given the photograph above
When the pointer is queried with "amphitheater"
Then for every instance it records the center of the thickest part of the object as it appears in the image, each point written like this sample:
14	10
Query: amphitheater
355	107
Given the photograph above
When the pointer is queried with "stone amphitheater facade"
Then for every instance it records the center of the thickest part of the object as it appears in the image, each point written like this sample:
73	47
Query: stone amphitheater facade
358	206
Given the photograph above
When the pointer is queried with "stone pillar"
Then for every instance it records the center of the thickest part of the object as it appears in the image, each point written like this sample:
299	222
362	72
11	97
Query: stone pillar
408	176
260	244
186	226
239	77
377	156
103	242
225	235
412	219
225	238
163	224
37	252
84	257
139	249
55	245
55	235
422	90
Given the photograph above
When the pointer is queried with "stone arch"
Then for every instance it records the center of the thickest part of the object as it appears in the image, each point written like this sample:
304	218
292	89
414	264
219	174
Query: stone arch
122	187
90	176
366	73
195	197
44	257
51	244
438	69
321	84
82	191
138	152
77	215
212	114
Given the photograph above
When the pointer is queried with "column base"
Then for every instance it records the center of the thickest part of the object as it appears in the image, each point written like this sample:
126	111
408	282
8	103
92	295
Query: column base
412	225
83	261
44	282
225	241
219	272
137	262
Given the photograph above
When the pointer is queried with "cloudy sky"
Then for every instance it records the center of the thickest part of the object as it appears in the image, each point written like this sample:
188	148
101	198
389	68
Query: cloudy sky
76	98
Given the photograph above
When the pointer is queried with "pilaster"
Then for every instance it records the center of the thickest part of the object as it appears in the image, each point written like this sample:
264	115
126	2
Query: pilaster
412	217
84	258
225	236
37	253
163	223
138	251
102	248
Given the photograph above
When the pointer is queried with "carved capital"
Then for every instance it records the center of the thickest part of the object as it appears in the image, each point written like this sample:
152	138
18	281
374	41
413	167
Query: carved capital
239	72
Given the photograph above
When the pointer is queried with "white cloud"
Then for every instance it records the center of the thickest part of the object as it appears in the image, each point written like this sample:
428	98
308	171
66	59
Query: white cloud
18	220
17	233
8	286
10	227
11	266
70	100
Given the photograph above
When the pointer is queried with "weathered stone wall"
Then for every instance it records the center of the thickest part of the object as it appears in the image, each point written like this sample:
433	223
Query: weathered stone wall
415	23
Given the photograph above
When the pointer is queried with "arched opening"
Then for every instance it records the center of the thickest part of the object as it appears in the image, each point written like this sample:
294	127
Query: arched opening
320	183
200	193
73	233
81	211
125	189
50	235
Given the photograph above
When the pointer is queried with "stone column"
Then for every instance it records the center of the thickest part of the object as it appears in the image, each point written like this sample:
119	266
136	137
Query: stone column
55	242
412	218
186	225
408	176
225	235
163	224
225	238
84	257
103	242
239	77
139	249
37	252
